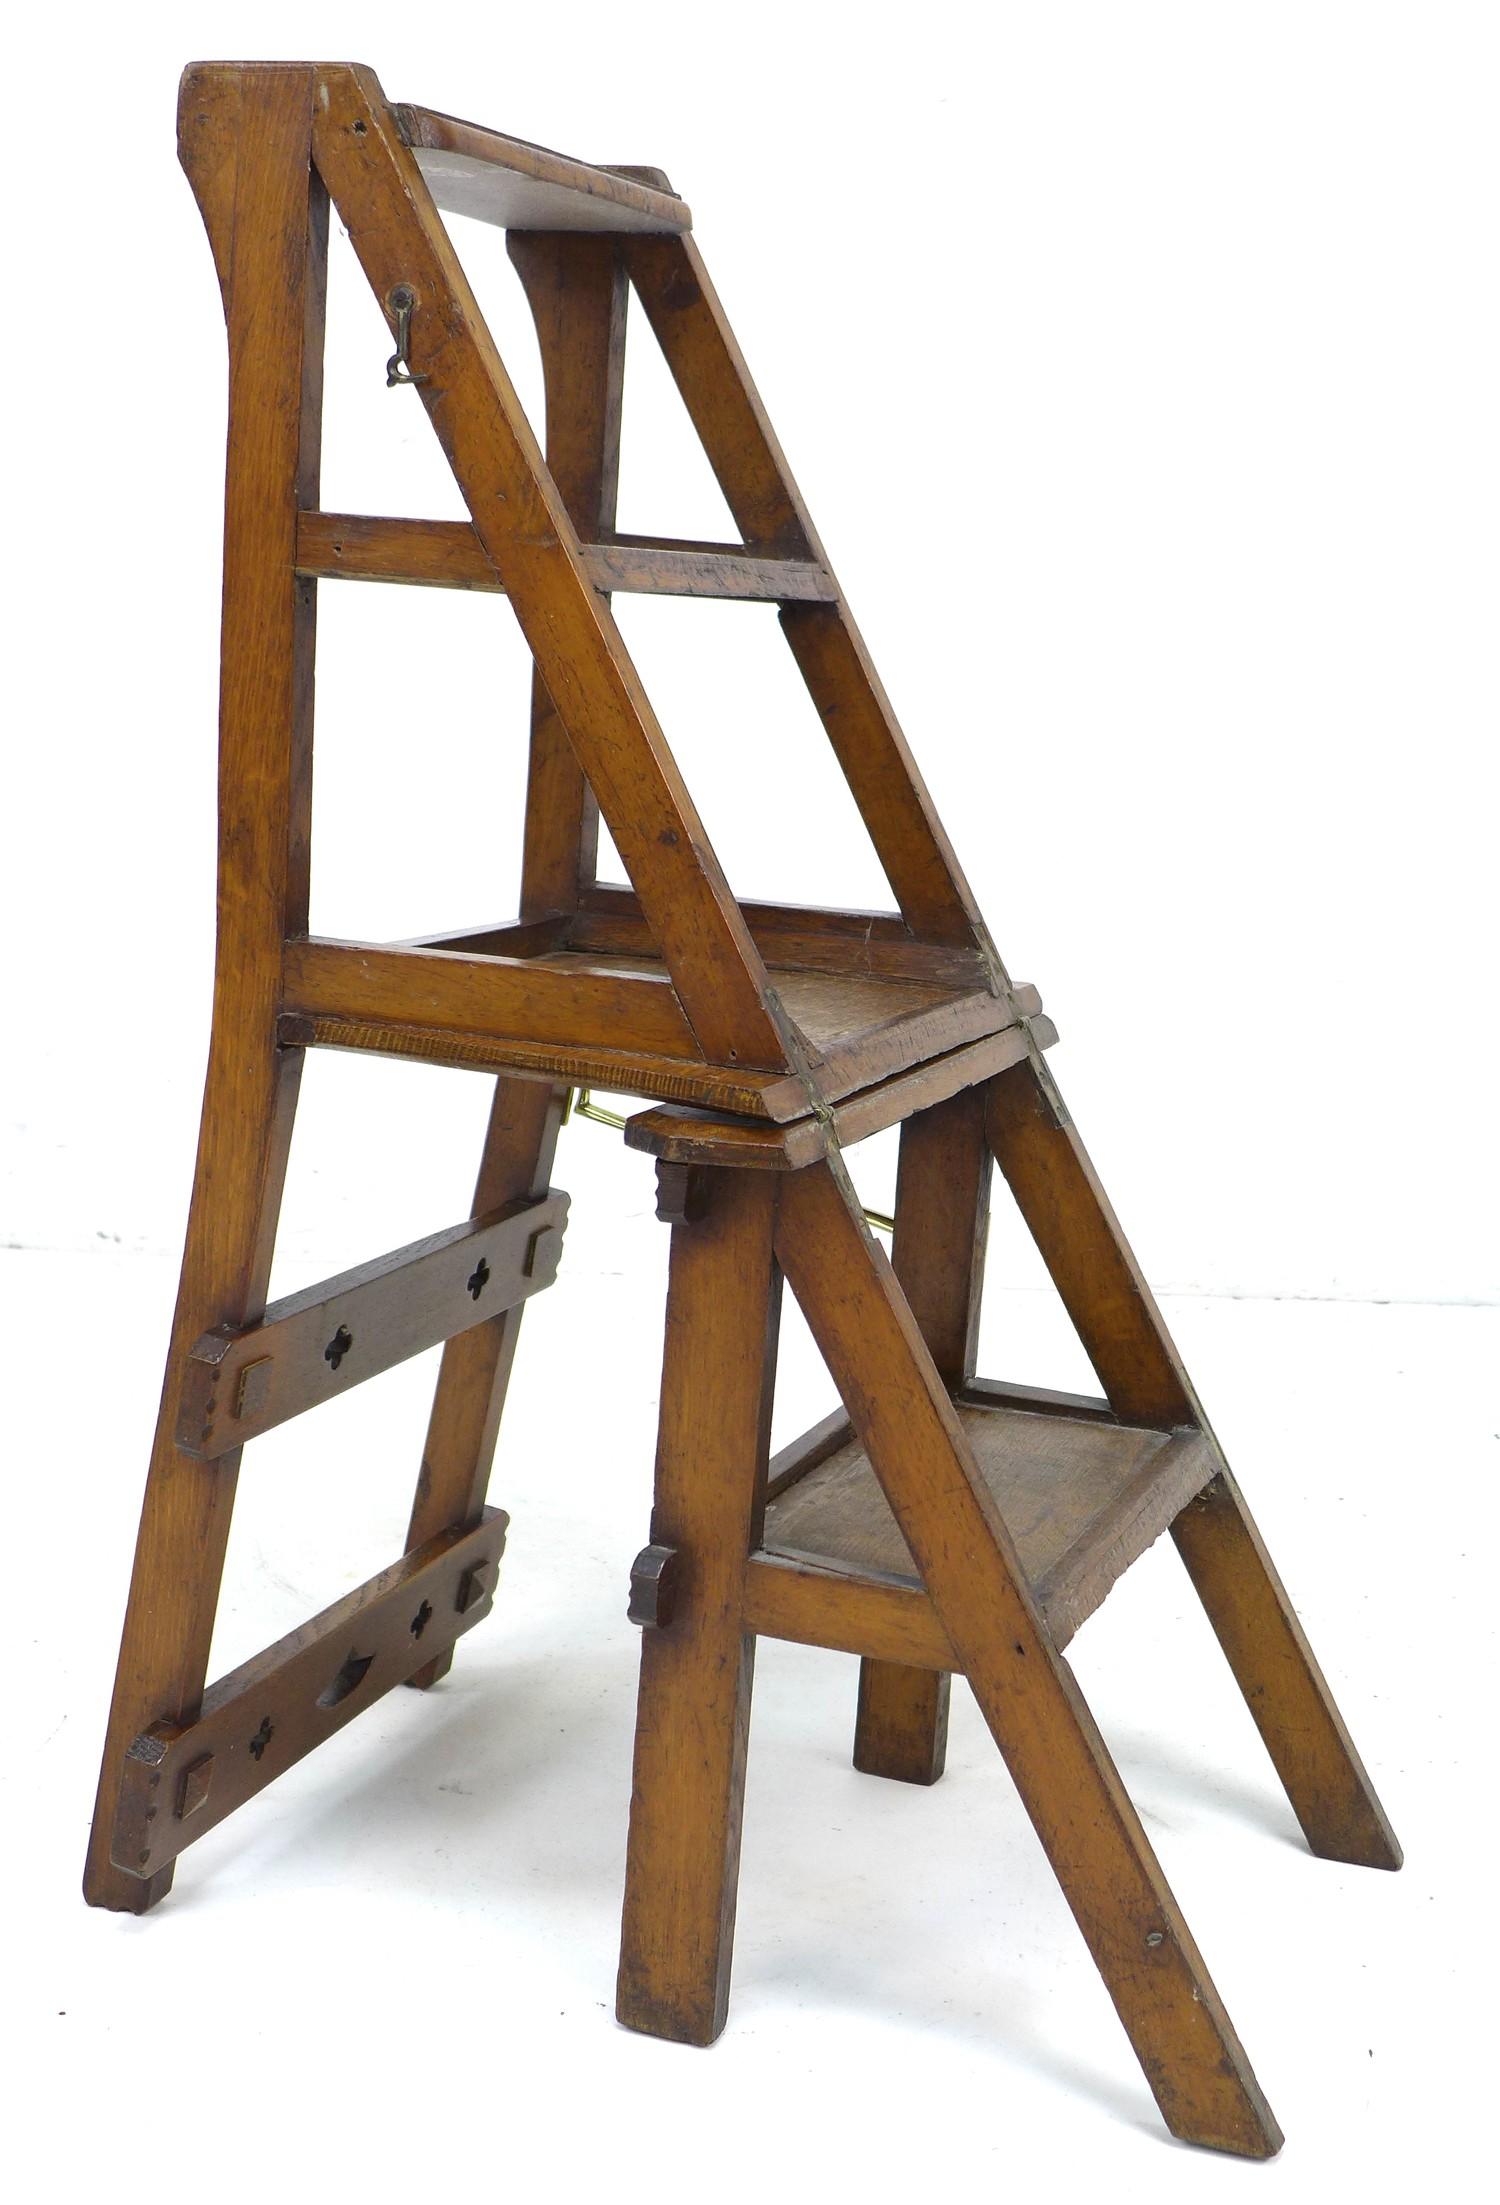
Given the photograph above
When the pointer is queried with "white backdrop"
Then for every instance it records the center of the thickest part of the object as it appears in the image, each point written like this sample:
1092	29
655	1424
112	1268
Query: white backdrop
1140	367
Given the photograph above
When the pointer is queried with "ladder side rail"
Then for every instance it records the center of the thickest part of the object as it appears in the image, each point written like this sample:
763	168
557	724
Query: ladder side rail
710	372
523	524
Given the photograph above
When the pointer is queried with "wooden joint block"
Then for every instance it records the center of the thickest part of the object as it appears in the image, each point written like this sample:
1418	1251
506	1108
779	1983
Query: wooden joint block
181	1780
682	1193
241	1382
654	1578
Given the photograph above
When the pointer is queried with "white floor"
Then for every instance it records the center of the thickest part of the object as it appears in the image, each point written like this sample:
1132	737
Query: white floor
395	1970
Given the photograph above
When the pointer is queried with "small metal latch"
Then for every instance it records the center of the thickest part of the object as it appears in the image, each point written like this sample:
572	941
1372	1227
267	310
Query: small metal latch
398	366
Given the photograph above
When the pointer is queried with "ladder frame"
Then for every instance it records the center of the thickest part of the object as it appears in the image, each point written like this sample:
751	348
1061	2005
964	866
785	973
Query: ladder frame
753	1196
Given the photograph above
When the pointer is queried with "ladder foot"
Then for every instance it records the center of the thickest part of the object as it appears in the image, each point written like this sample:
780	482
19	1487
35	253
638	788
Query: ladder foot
901	1727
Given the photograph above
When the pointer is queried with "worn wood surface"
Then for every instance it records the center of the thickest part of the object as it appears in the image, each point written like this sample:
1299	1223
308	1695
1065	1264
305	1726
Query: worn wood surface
474	1374
711	374
692	1731
1285	1690
1081	1501
576	1004
682	1134
494	178
967	1560
889	1620
526	532
1059	1196
181	1780
576	289
244	1380
937	1253
368	547
268	223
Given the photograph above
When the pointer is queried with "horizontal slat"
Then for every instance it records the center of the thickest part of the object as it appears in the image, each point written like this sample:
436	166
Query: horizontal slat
645	568
575	1005
614	900
779	1096
322	1341
180	1780
796	1597
482	173
368	547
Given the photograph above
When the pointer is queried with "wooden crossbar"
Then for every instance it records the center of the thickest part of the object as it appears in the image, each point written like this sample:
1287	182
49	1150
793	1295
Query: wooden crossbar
181	1779
320	1342
365	547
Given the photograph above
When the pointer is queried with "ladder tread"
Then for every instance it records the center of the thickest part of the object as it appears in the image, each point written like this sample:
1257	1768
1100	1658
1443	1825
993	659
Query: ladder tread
1082	1498
519	186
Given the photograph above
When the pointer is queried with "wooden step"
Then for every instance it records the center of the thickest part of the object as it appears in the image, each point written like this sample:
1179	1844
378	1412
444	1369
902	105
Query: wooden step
518	186
1082	1497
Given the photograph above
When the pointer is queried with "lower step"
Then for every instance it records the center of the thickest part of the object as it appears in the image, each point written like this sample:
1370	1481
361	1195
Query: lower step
1081	1497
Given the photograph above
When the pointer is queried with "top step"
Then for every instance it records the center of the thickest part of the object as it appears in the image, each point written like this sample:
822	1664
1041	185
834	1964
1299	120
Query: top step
517	186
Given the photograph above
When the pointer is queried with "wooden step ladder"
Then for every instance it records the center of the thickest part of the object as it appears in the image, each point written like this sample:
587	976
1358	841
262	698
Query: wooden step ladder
939	1523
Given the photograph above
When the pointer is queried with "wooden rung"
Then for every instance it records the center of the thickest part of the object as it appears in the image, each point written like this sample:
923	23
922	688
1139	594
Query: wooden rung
180	1780
330	1337
482	173
366	547
1081	1498
886	1619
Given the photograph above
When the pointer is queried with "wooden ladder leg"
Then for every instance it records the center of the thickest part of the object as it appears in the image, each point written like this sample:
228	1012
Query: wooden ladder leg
937	1253
179	1558
1176	2021
692	1731
245	141
1100	1283
474	1374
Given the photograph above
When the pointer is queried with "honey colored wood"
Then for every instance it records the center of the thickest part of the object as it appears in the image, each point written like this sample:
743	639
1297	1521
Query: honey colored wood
1061	1200
937	1253
576	289
776	1095
1081	1500
967	1560
182	1780
1285	1690
267	219
684	1135
484	174
474	1375
527	534
682	1860
242	1381
710	372
360	547
804	1453
574	1004
938	1523
885	1620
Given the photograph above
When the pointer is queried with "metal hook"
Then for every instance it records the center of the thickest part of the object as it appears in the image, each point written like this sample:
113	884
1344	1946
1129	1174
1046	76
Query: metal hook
398	366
